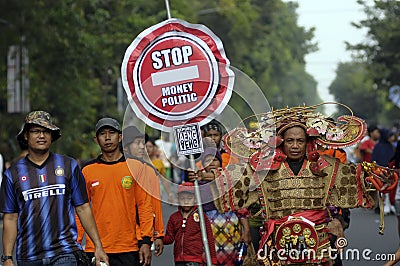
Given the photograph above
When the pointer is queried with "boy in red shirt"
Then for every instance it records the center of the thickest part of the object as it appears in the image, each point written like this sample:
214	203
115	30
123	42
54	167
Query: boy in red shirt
183	228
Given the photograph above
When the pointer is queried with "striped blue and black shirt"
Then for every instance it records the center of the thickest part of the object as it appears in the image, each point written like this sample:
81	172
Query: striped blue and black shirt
44	198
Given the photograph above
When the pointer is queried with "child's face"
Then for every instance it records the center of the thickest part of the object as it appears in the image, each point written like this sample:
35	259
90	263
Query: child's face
211	162
215	135
186	200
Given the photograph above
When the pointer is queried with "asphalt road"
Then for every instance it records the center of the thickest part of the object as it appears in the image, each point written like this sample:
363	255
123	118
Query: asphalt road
365	245
363	238
167	258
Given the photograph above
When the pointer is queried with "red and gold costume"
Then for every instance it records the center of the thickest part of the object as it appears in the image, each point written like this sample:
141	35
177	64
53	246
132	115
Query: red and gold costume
294	205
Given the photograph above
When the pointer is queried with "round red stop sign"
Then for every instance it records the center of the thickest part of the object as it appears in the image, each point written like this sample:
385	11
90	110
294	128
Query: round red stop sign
176	71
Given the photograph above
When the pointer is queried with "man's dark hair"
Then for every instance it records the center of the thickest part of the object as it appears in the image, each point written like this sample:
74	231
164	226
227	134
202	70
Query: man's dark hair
372	128
23	145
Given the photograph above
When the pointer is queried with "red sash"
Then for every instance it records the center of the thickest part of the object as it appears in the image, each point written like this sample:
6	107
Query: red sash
315	216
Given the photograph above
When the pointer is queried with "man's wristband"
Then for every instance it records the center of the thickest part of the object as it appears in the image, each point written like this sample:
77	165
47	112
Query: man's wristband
4	258
145	240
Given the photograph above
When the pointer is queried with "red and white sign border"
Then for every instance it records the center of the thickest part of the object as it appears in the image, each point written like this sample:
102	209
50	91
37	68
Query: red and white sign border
188	113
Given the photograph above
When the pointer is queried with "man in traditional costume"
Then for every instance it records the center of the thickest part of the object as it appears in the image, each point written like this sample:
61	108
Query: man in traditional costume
297	188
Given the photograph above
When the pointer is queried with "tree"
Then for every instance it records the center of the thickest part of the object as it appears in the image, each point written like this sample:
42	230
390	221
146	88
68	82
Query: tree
76	49
380	55
381	51
267	44
354	87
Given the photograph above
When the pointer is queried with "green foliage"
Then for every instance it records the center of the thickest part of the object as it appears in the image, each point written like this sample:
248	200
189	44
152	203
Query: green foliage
354	87
76	50
382	51
379	67
267	44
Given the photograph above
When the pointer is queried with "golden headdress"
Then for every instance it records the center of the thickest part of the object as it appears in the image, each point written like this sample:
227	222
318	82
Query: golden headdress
261	132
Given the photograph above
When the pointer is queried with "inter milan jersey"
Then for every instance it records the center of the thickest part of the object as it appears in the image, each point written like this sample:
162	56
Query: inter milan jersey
44	198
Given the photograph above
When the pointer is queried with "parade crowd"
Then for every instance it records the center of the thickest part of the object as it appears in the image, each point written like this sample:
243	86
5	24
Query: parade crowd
290	191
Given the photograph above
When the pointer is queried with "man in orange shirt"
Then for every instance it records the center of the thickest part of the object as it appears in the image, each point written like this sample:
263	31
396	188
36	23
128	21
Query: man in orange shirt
133	142
114	192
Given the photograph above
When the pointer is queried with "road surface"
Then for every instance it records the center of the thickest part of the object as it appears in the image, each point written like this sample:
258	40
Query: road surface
365	246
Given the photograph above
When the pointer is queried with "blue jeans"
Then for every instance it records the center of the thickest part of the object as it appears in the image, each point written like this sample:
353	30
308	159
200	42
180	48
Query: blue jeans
60	260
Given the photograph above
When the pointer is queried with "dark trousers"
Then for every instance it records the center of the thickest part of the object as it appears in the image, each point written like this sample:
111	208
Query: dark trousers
121	259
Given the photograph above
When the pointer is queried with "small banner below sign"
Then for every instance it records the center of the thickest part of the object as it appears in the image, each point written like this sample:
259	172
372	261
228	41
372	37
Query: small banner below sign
188	139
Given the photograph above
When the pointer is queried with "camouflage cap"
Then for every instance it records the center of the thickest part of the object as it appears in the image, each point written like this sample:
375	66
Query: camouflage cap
39	118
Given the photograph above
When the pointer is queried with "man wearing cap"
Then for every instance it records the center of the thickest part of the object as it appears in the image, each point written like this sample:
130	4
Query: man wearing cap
133	143
39	197
114	192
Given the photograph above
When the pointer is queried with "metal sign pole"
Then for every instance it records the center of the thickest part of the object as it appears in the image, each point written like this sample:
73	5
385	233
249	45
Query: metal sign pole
168	10
201	214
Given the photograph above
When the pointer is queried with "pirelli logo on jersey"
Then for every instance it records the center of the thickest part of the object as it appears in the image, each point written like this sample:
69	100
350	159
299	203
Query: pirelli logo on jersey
42	192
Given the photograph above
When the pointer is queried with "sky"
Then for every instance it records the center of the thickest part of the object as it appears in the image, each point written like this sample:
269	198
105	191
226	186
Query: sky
332	20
